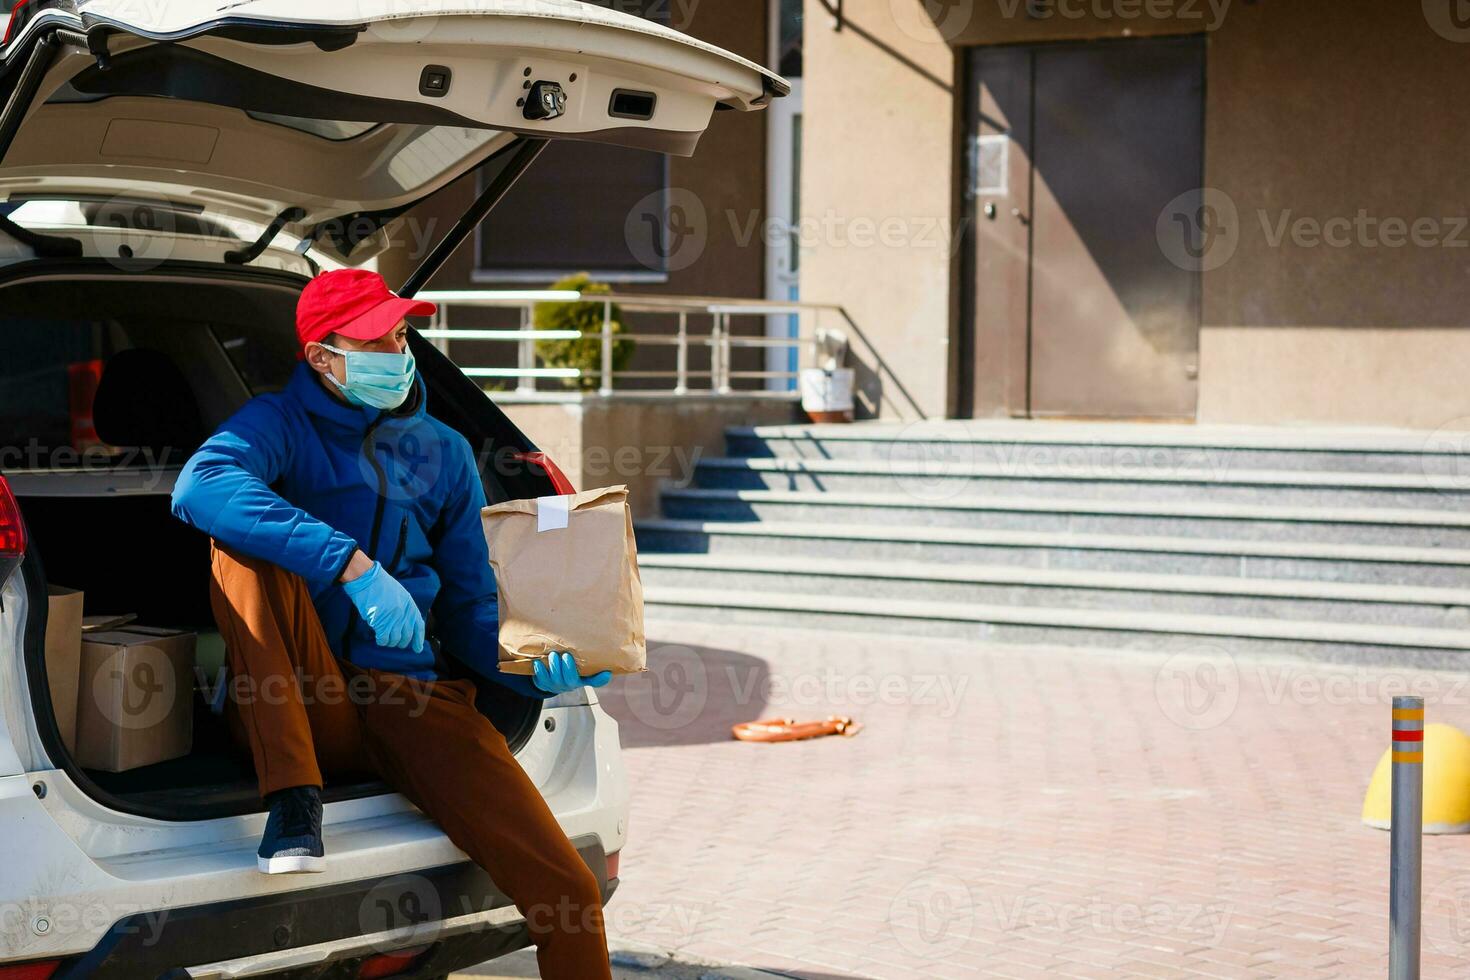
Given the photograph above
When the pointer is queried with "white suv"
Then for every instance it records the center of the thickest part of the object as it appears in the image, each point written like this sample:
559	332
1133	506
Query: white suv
136	140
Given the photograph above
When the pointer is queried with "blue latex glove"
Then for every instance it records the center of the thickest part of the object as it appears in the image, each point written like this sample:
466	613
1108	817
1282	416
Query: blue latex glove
387	608
557	674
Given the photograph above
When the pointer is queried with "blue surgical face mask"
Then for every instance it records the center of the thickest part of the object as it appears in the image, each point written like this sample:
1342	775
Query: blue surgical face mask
375	380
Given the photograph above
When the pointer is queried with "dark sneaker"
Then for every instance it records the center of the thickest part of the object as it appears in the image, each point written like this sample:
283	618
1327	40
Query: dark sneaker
293	835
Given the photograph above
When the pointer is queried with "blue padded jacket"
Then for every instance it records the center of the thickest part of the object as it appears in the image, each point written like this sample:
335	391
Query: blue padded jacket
302	479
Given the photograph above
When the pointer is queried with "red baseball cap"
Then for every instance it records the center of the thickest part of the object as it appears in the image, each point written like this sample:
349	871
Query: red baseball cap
355	303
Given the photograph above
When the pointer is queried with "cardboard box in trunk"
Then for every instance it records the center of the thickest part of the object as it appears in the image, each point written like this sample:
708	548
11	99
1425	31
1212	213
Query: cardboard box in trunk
136	705
567	572
63	658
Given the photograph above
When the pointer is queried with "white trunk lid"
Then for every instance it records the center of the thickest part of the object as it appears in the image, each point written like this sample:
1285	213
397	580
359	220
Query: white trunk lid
350	110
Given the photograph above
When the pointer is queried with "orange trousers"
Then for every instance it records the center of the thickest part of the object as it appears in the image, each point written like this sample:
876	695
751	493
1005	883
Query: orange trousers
302	711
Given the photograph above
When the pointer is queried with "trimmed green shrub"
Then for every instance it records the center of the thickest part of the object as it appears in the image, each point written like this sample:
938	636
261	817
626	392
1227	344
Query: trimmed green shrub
586	352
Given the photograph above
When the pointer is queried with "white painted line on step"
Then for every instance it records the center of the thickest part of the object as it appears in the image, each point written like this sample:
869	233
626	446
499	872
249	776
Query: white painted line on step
1314	440
1328	479
1055	540
1284	588
1130	508
1124	621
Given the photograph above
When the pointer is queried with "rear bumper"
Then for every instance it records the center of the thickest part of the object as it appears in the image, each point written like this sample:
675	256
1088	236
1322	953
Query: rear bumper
454	914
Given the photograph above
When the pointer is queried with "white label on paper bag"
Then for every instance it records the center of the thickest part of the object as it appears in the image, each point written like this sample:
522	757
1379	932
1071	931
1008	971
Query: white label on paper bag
551	513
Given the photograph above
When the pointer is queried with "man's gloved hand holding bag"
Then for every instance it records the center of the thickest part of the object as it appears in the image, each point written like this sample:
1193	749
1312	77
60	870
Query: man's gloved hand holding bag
567	572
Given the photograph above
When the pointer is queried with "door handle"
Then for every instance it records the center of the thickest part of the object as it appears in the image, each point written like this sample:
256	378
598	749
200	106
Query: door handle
1016	213
990	210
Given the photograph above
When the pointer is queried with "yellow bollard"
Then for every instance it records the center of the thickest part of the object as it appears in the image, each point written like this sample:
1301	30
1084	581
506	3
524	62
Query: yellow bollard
1446	784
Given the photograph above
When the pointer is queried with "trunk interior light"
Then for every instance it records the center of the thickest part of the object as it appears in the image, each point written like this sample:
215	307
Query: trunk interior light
627	104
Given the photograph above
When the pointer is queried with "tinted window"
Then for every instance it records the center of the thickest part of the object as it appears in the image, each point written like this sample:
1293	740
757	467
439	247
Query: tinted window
330	129
50	371
588	187
47	377
597	191
265	358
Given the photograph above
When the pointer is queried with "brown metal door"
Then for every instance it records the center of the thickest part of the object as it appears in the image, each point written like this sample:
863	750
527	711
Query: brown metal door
994	354
1115	135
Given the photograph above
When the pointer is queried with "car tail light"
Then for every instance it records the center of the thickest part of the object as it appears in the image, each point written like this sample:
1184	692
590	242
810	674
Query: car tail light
12	531
384	964
23	12
40	970
17	14
541	460
612	864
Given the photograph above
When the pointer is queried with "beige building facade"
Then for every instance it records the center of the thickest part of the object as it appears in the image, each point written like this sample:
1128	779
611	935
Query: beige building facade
1219	211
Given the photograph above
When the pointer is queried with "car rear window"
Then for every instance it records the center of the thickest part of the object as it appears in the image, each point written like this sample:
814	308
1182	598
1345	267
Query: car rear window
48	372
327	129
264	358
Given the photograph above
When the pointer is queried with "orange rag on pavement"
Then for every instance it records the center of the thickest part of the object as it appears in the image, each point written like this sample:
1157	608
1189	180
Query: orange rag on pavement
790	730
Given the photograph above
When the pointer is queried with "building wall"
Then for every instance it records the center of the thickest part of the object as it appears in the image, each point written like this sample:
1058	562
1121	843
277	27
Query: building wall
1322	112
969	22
1315	110
647	443
877	188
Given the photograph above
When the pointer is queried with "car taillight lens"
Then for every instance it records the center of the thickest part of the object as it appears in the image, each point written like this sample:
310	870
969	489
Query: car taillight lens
559	479
12	531
29	971
17	14
612	864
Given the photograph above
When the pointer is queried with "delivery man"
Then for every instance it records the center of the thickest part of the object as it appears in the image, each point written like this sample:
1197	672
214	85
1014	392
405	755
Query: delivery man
341	515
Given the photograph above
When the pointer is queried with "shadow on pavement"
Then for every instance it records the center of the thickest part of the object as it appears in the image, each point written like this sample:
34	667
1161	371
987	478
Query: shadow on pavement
633	966
688	696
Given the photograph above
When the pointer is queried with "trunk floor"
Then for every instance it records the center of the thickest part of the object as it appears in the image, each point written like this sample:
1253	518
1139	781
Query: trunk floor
214	772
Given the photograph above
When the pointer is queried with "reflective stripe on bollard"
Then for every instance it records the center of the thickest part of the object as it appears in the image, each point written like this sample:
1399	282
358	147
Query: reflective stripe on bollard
1405	838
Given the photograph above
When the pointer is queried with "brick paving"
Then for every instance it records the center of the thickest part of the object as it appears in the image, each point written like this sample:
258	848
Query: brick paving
1017	812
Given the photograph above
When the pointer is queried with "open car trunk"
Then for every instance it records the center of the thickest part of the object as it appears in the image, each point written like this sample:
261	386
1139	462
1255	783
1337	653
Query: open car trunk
327	121
99	520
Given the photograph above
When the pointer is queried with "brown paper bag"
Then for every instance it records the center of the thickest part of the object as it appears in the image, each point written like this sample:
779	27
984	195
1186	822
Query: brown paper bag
567	571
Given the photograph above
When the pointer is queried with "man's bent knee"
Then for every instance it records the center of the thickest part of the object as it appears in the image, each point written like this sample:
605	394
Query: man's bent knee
230	562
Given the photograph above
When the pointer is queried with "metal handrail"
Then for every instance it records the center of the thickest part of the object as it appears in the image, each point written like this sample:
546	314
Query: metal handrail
720	340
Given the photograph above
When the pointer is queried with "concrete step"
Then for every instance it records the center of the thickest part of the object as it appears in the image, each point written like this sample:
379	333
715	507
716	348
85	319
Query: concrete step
1443	567
1329	641
1115	445
1193	519
1001	585
939	481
